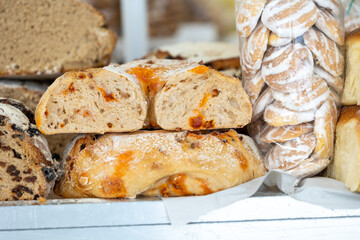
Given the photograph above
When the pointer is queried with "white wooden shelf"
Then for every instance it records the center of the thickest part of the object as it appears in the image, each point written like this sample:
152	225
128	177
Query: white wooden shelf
270	217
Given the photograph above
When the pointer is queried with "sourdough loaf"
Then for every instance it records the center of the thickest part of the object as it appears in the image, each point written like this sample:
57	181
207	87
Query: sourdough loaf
346	163
175	94
27	170
157	163
60	36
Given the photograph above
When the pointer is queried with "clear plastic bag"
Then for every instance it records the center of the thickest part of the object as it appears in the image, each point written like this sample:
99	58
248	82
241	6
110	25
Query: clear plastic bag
292	63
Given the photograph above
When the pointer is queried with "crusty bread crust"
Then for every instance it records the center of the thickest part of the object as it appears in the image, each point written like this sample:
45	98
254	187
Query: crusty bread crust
157	163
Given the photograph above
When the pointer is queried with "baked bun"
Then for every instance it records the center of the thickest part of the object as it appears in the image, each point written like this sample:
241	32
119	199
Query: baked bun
27	170
324	129
254	86
288	155
288	68
308	99
157	163
330	25
336	83
248	13
351	94
90	101
50	37
277	115
252	51
279	17
285	133
276	41
345	166
325	51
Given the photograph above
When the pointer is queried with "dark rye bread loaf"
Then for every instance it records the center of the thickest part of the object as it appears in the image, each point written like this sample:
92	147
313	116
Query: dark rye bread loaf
27	170
50	37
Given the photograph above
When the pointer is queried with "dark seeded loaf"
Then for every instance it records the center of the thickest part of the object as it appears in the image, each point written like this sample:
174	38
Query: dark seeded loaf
27	170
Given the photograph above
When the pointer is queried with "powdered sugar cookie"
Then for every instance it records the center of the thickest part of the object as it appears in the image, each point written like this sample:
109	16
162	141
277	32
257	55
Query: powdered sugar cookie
255	130
289	18
309	167
285	133
247	15
333	6
324	129
253	50
261	103
254	86
287	155
331	26
336	83
325	51
277	115
288	68
276	41
309	99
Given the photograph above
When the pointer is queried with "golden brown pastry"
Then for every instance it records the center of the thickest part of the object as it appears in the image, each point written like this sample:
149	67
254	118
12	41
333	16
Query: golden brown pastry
157	163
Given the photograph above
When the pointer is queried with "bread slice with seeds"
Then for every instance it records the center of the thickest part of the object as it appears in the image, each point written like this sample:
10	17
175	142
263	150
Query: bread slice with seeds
27	170
91	101
51	37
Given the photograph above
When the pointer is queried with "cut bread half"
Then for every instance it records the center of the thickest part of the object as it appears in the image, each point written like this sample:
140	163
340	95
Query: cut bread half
189	96
91	101
60	36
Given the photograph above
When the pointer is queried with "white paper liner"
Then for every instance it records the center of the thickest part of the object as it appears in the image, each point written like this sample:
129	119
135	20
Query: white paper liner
321	191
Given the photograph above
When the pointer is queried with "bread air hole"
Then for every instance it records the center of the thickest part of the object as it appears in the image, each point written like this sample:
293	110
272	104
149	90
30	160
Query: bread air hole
234	103
109	125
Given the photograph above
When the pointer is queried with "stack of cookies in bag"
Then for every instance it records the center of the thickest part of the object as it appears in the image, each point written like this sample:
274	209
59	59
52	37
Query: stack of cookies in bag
188	148
292	66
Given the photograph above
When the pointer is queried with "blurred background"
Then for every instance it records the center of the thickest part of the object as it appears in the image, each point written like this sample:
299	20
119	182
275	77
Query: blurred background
142	25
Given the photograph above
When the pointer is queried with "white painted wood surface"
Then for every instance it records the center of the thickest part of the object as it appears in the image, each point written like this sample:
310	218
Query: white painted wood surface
271	217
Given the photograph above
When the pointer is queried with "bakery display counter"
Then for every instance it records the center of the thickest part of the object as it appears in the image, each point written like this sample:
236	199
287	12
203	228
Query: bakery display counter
274	216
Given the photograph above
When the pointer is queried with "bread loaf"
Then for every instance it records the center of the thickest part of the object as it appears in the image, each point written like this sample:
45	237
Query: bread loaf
60	36
157	163
176	94
351	94
27	170
346	163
